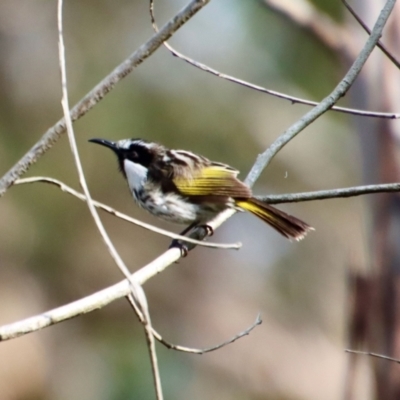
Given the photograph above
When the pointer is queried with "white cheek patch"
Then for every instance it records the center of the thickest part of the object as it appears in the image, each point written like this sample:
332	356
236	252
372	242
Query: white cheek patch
136	174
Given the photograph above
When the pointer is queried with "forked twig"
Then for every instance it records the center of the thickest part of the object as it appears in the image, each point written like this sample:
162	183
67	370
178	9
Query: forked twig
137	296
262	89
98	92
65	188
388	54
185	349
341	89
192	350
99	300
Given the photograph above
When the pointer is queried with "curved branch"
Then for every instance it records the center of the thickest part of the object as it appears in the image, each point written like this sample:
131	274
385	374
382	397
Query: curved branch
97	94
65	188
341	89
292	99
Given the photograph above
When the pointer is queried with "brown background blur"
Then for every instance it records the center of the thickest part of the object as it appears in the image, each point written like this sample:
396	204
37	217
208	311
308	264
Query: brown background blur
51	253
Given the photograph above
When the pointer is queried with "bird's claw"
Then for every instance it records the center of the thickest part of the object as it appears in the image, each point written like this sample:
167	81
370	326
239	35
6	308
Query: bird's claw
181	246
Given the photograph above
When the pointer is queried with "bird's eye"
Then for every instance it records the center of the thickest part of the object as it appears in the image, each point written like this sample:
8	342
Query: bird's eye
134	154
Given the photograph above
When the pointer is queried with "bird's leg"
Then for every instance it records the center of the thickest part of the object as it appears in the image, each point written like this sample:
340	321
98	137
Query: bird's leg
180	245
184	249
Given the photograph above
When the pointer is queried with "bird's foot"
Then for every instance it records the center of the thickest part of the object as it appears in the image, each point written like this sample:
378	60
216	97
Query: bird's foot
209	230
181	246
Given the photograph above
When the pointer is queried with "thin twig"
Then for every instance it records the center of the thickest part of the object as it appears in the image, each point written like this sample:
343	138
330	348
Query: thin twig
330	194
192	350
238	336
292	99
137	295
99	91
65	188
388	54
341	89
367	353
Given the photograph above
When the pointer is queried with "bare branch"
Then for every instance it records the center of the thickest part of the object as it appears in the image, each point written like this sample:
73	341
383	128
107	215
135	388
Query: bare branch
367	353
90	303
93	302
97	93
65	188
192	350
292	99
137	295
330	194
341	89
388	54
238	336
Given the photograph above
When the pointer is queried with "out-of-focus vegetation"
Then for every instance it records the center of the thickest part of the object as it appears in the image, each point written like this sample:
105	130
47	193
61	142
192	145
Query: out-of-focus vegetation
51	254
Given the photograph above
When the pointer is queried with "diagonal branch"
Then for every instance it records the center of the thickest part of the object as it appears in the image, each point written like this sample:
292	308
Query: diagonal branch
341	89
137	296
292	99
387	53
97	94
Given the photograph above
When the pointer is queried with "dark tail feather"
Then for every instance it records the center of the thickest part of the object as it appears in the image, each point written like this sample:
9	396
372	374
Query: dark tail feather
288	226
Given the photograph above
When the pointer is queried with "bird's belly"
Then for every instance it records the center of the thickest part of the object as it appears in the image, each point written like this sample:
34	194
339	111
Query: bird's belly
174	208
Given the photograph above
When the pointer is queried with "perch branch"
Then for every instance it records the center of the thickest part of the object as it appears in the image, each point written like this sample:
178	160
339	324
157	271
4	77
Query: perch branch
65	188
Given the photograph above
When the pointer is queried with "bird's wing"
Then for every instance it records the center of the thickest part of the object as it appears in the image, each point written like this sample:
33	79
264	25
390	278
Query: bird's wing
215	179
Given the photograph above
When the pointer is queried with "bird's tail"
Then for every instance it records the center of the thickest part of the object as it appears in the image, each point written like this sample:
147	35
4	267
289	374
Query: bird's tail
287	225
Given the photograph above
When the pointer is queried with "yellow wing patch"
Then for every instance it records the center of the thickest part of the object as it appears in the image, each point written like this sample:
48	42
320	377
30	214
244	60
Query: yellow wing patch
217	180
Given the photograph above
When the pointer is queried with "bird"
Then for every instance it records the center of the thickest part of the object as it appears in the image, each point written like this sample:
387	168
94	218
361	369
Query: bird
189	189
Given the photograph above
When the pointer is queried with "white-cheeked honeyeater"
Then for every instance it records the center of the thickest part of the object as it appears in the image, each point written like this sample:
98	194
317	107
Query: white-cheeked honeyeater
186	188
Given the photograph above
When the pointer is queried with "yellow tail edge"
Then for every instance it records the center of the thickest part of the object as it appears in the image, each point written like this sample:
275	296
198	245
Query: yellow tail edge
287	225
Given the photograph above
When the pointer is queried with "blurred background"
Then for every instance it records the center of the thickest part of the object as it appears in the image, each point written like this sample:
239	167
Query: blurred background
51	253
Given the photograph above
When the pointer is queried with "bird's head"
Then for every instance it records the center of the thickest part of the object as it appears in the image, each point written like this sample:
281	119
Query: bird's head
132	153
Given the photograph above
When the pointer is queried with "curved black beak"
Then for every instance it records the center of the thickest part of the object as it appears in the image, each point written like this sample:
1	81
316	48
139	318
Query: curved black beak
107	143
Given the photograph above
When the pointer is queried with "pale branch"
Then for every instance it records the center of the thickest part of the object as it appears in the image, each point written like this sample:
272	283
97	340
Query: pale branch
137	296
341	89
292	99
90	303
106	296
138	301
388	54
65	188
98	92
94	301
367	353
330	194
